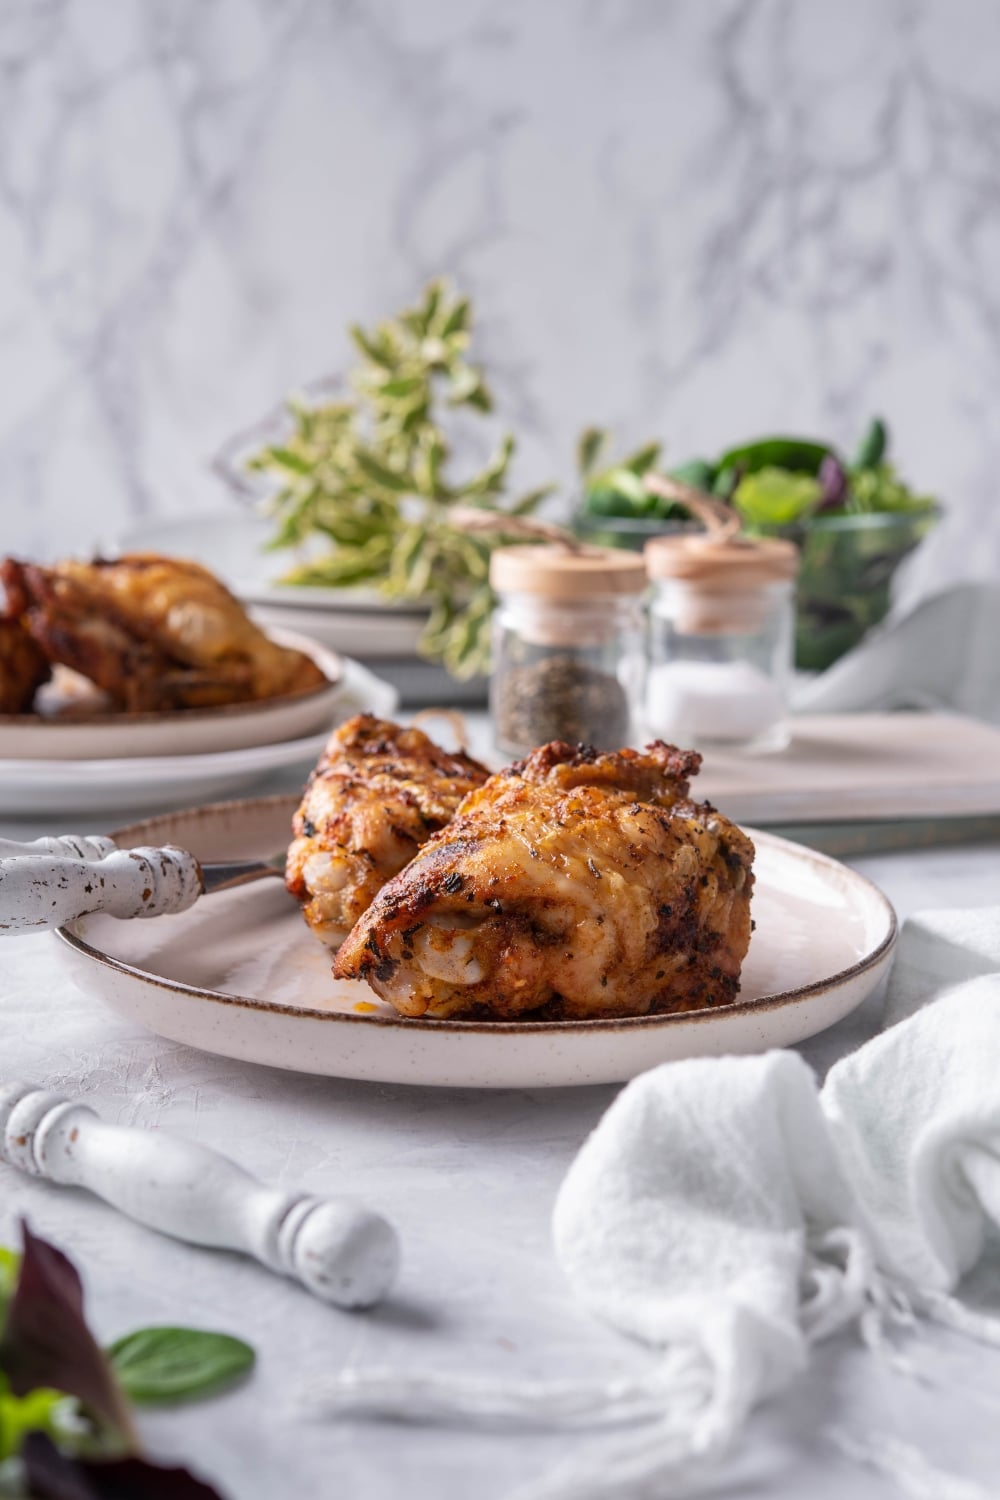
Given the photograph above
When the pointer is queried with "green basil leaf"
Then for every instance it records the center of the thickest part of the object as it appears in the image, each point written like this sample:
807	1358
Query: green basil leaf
157	1365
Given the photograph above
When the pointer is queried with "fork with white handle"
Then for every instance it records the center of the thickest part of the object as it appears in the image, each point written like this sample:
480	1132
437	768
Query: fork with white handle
47	882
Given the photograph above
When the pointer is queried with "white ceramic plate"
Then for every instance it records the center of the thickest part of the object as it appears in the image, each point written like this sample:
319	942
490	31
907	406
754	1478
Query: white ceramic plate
239	974
190	731
146	783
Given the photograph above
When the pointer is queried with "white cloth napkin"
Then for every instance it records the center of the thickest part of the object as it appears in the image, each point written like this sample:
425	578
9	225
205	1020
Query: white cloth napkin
941	655
729	1213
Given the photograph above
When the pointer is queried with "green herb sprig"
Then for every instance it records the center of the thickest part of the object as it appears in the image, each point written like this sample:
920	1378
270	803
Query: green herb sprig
370	476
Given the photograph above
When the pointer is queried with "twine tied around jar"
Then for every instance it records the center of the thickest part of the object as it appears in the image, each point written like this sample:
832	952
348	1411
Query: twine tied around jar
529	528
721	522
723	573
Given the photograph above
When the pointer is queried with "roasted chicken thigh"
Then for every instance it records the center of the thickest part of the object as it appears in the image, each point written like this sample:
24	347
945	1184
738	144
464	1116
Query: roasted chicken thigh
152	632
378	793
571	885
23	668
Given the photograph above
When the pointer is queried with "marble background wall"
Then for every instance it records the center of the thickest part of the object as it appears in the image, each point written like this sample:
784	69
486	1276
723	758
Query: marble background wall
695	218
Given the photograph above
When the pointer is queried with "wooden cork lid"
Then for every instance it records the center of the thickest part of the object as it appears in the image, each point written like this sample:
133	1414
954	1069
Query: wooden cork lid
733	562
567	575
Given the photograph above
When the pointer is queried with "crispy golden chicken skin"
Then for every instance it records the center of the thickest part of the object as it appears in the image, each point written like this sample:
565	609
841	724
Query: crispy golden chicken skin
378	793
572	885
153	633
23	668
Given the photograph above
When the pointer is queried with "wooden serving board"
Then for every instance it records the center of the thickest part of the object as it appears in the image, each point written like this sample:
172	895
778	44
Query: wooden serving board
842	768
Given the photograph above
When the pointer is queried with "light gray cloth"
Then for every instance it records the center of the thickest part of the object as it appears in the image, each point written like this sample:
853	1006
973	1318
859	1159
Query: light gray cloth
944	654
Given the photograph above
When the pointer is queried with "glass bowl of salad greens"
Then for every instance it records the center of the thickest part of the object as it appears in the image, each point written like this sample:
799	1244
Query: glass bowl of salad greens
854	521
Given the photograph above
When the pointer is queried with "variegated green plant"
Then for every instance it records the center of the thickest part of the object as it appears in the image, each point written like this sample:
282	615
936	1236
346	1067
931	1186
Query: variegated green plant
370	474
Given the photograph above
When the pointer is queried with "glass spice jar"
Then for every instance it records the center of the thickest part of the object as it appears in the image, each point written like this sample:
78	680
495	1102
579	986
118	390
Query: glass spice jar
568	646
721	627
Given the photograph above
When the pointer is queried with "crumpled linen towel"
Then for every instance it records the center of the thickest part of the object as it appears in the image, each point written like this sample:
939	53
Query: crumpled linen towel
729	1213
940	655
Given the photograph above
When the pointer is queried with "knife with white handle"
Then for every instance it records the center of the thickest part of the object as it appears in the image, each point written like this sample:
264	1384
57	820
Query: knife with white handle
50	881
339	1250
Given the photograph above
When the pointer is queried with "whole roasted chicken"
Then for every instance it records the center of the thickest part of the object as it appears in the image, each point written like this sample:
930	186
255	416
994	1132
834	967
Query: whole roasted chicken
378	793
571	885
152	632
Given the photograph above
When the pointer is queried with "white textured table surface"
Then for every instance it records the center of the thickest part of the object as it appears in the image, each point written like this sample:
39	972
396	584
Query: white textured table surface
469	1181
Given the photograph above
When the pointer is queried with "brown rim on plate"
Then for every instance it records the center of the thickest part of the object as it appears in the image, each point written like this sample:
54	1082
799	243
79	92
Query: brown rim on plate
761	1005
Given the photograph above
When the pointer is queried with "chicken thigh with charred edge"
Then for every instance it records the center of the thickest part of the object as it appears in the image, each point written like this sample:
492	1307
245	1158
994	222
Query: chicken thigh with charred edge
573	885
378	793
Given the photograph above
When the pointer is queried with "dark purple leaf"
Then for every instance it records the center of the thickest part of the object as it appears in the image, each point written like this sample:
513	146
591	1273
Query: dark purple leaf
46	1342
52	1475
833	484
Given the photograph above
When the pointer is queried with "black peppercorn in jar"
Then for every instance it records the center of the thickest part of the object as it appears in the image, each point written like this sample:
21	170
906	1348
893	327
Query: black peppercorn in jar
567	646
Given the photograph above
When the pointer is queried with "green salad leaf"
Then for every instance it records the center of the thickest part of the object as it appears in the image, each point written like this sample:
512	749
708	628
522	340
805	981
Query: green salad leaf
773	482
880	489
873	446
618	489
798	455
775	497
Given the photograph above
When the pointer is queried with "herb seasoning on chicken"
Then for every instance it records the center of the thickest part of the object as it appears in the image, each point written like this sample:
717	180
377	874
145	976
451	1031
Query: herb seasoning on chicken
378	793
572	885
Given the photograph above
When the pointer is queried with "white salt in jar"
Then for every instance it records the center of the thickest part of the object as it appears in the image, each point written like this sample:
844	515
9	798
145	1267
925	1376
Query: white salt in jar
720	640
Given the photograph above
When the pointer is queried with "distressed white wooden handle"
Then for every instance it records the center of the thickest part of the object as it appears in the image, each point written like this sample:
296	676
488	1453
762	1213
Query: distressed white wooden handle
338	1249
50	887
72	845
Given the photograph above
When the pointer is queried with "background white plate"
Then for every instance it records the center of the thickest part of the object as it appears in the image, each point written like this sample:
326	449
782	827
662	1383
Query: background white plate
29	788
187	731
239	974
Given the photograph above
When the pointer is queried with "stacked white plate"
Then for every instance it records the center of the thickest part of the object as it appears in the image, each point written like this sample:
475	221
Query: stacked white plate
72	760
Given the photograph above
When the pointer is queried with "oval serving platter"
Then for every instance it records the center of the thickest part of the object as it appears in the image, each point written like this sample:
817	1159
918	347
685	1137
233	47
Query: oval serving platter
240	975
